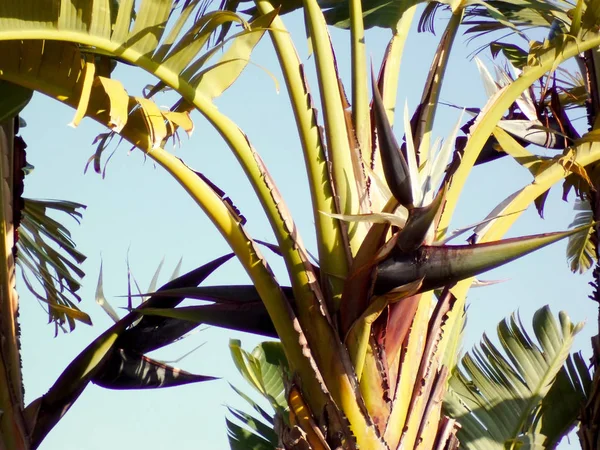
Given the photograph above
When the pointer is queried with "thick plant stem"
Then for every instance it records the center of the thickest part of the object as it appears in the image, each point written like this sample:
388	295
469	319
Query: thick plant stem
13	435
334	370
344	172
433	88
254	264
273	205
332	255
497	106
360	96
319	355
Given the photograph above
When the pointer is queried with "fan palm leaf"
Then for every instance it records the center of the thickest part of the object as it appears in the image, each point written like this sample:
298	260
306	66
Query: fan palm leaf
47	252
266	370
500	398
581	249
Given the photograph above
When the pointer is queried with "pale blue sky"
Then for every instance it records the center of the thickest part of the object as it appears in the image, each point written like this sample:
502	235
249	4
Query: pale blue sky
140	209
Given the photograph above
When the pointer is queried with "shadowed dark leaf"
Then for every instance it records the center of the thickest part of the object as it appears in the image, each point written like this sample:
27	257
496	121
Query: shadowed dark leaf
143	336
13	98
444	265
127	370
394	164
238	307
515	54
248	317
259	428
243	439
418	224
561	406
218	294
255	406
50	408
540	202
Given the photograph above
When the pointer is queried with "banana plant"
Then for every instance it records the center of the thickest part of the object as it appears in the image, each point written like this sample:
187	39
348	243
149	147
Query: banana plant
370	332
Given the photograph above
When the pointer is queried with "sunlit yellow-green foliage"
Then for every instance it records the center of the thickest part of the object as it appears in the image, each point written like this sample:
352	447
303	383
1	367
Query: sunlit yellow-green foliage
369	344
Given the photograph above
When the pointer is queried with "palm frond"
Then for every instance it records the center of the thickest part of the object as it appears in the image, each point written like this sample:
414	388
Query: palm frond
49	259
581	248
514	15
254	434
500	398
265	369
564	400
248	436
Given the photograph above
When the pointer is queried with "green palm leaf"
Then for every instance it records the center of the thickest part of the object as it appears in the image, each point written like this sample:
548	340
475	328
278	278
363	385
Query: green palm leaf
241	438
514	15
509	399
264	369
581	248
253	435
563	402
49	259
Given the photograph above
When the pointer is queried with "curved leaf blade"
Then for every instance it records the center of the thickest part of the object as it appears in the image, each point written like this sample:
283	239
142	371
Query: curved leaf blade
581	248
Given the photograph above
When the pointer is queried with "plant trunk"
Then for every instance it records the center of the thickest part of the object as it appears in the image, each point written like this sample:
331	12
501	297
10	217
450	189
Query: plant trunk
588	432
13	430
589	429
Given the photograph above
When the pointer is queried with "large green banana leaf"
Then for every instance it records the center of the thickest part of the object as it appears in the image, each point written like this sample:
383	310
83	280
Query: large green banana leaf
169	46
